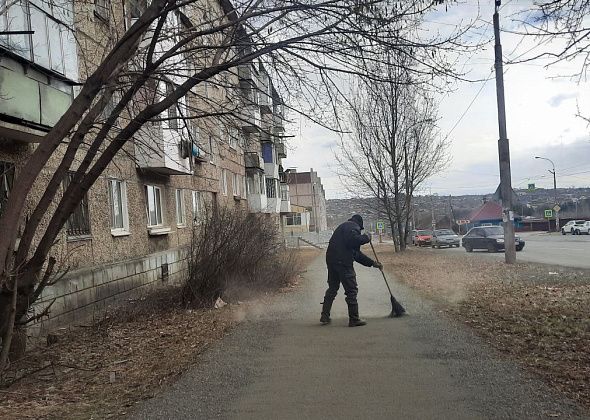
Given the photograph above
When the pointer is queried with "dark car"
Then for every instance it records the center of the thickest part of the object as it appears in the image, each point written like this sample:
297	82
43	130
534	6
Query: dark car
444	237
487	237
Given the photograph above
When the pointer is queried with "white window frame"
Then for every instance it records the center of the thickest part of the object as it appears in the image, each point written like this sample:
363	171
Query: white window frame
198	206
158	205
236	185
224	182
180	210
122	189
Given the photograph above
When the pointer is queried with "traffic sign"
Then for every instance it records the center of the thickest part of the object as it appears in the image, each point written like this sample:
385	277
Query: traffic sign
531	187
380	226
556	208
548	214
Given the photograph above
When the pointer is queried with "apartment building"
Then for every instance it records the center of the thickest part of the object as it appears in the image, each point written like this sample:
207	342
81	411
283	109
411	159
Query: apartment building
306	190
132	228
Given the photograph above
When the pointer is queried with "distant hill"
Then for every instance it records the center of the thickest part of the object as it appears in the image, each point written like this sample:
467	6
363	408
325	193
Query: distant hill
574	203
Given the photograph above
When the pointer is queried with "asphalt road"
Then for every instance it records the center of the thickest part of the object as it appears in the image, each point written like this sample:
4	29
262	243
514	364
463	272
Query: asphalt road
554	248
281	364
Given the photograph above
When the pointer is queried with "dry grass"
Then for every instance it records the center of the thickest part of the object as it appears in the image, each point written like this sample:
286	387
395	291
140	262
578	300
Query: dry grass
537	314
101	370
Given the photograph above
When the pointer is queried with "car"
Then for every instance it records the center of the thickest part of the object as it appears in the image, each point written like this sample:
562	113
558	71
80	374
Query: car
487	237
582	229
444	237
570	227
422	237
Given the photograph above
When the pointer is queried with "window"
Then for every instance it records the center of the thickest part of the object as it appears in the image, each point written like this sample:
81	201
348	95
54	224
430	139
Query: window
79	221
198	206
154	205
134	10
119	212
6	181
236	185
212	150
233	138
180	215
294	219
267	152
224	182
52	45
271	190
102	9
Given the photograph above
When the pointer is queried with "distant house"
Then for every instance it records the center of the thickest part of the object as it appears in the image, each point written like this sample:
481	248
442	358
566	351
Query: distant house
489	214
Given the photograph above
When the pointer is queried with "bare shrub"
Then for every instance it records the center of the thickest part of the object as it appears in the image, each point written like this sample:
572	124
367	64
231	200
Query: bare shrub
236	253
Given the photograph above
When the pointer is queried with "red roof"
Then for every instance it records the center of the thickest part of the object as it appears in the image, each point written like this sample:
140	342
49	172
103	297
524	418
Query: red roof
489	211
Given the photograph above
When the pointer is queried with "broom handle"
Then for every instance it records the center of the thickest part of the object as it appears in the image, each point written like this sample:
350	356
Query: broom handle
381	269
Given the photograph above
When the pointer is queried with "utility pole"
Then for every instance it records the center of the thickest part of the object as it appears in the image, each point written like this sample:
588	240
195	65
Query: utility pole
503	148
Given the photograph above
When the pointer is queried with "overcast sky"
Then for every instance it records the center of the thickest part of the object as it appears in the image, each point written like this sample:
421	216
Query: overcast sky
541	117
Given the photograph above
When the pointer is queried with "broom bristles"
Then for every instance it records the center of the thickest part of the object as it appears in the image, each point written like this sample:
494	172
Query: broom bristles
397	308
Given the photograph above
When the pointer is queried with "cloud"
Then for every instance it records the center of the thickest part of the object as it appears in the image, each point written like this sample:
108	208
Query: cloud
556	100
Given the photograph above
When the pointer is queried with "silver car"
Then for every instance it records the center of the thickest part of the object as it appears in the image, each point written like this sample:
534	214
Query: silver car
444	237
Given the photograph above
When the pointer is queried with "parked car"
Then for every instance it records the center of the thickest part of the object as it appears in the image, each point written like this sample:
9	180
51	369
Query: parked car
444	237
582	229
422	237
487	237
570	227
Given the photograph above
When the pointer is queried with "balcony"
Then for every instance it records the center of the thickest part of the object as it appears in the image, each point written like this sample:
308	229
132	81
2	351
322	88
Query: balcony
281	150
253	160
251	118
166	152
277	124
28	107
248	72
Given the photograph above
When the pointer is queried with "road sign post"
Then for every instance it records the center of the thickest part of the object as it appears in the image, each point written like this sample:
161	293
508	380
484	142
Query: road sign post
548	216
380	227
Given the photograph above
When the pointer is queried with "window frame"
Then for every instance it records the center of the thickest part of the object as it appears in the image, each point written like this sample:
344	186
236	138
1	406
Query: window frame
157	202
102	10
81	212
236	184
224	182
7	175
180	209
122	188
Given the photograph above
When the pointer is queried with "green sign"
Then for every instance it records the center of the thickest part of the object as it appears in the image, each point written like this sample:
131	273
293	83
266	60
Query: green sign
548	214
380	225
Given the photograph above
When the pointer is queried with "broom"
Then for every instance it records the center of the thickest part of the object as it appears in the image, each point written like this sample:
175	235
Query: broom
397	309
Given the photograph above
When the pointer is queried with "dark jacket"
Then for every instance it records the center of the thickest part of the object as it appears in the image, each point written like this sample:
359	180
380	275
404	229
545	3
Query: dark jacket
345	243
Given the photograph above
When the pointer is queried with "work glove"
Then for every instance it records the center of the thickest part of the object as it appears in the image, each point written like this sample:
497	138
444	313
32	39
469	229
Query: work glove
378	265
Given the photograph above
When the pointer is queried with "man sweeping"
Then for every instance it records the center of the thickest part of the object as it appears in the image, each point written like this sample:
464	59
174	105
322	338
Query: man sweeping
343	250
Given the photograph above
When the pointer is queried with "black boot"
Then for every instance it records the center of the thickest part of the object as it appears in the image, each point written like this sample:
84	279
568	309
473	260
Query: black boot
353	316
325	318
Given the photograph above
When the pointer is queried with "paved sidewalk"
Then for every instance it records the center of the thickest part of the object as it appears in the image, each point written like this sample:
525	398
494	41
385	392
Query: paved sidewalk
281	364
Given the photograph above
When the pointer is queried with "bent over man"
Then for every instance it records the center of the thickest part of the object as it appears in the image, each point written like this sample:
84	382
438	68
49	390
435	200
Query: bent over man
343	250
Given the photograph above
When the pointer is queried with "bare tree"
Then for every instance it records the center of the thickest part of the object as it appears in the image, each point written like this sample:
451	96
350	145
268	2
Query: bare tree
156	71
395	145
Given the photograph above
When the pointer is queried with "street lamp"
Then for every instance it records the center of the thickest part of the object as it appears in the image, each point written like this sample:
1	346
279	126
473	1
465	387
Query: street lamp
554	189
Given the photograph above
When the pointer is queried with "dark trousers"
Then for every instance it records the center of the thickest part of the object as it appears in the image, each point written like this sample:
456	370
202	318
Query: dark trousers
341	274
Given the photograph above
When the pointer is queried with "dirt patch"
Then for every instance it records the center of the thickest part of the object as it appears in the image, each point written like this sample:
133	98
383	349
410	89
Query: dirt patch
537	314
103	369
